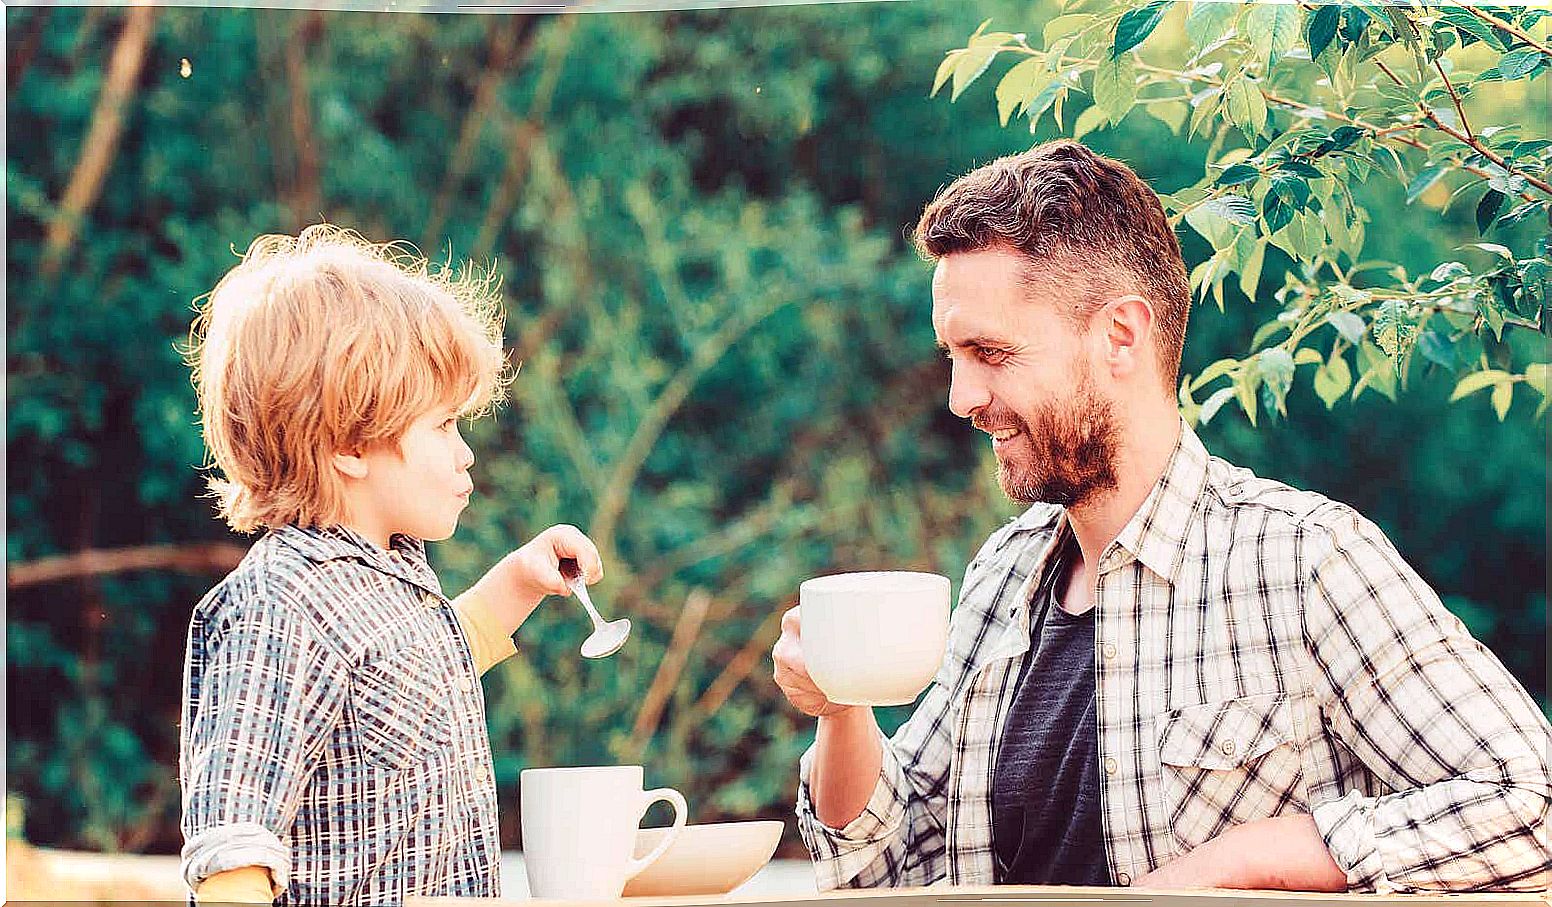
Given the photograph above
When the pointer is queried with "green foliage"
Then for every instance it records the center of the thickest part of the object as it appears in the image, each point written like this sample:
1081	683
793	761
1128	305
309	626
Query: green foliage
1301	107
727	363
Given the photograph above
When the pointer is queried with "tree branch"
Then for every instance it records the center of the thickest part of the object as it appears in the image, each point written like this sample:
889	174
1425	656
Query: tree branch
306	194
1508	27
523	135
102	139
214	557
611	502
20	59
503	41
686	629
1454	96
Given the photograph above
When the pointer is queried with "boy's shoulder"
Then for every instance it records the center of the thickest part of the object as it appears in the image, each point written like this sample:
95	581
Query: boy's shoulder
285	572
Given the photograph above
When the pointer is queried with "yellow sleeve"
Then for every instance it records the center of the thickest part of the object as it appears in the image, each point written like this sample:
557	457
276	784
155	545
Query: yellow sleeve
245	885
488	639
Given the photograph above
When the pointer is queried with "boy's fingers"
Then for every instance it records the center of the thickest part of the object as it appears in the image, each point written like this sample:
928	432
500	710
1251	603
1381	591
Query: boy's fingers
569	541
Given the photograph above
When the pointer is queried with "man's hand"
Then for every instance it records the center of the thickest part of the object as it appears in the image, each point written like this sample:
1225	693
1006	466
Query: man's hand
791	672
1284	852
516	585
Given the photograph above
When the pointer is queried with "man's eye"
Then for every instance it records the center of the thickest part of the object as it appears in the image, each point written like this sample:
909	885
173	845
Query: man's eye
991	356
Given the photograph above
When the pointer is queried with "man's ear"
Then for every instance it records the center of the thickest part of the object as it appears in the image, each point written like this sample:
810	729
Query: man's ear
351	465
1127	325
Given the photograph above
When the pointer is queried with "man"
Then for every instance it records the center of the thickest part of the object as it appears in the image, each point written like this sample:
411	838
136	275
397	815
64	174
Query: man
1167	672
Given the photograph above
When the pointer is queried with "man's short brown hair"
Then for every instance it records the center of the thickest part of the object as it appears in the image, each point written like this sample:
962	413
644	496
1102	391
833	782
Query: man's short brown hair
1085	223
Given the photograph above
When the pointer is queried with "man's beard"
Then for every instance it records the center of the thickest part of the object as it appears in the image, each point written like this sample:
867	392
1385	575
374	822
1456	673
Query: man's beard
1071	454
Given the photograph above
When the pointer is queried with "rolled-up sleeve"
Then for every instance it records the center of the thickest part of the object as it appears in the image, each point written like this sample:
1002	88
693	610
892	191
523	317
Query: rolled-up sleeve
898	839
262	694
1433	714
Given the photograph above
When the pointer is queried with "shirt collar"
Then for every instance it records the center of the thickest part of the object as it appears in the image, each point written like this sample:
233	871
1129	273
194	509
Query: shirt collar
405	557
1159	532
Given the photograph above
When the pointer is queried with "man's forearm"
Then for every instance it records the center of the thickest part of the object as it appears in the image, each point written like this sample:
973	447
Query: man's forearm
848	758
1283	852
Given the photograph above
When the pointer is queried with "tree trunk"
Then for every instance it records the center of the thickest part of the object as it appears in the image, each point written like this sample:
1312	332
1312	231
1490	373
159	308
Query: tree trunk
102	138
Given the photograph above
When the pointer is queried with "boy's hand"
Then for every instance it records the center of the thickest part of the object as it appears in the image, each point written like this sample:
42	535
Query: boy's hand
516	585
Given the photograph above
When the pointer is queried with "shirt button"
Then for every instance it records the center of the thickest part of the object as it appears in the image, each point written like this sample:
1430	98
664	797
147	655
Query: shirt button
465	684
1111	767
1228	747
431	602
1110	650
1123	879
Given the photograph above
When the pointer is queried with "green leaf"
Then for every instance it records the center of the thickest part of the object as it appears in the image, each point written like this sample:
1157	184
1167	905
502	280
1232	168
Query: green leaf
1471	26
1395	328
1277	366
971	64
946	69
1322	27
1487	209
1136	25
1277	210
1517	64
1238	174
1089	120
1332	379
1304	237
1274	30
1536	377
1115	86
1477	381
1019	85
1520	213
1233	208
1379	372
1437	348
1208	21
1349	324
1246	107
1213	372
1447	271
1171	113
1267	331
1425	178
1306	356
1065	25
1250	271
1214	403
1503	396
1245	385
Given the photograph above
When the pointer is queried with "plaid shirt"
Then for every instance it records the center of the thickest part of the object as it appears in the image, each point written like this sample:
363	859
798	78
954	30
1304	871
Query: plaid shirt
334	727
1259	651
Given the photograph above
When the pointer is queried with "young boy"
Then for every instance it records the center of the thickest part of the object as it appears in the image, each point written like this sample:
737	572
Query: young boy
333	743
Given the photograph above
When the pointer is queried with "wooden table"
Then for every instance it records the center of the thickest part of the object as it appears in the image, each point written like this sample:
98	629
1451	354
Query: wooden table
1008	895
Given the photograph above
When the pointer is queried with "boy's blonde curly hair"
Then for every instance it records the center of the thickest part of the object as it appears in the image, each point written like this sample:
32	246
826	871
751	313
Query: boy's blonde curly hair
323	343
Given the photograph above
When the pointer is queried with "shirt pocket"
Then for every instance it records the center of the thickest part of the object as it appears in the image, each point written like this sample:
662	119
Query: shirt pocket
1227	762
401	716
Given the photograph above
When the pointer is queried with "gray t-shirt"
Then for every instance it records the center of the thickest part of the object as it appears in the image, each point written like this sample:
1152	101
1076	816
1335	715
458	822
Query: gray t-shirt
1046	825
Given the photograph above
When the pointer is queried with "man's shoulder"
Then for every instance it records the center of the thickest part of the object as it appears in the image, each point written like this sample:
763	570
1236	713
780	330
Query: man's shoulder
1278	508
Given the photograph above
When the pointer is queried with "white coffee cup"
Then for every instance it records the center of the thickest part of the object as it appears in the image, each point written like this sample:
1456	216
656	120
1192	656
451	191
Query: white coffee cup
874	638
579	829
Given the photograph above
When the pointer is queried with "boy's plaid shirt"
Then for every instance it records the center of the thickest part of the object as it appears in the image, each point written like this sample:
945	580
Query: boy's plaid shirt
334	727
1259	650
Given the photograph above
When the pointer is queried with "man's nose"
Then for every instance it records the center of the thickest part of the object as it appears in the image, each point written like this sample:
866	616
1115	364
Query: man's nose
966	393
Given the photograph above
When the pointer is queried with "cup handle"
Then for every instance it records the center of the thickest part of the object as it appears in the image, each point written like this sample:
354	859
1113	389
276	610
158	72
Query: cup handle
636	867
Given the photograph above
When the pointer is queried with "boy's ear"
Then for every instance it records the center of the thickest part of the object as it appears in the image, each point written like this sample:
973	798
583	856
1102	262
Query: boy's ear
352	465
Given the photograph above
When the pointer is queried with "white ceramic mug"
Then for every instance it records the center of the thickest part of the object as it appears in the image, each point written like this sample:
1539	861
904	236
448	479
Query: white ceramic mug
579	829
874	638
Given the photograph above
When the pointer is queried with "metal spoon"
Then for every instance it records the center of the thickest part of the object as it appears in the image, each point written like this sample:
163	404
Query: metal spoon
608	636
